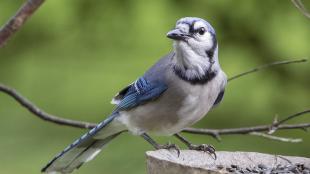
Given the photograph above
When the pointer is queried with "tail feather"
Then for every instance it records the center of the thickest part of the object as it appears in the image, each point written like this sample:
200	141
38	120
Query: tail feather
83	149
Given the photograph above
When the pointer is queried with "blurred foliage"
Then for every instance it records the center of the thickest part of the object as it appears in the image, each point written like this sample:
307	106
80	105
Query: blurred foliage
72	56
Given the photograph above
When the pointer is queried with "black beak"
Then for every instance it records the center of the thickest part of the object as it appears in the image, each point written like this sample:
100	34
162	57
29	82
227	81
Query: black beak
176	34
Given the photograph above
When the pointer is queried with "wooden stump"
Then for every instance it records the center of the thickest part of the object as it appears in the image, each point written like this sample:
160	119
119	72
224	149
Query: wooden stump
194	162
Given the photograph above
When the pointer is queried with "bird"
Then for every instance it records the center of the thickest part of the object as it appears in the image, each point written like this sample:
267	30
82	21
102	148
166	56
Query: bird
176	92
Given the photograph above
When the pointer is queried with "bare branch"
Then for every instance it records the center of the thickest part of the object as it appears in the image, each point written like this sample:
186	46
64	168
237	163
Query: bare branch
256	130
276	123
277	138
40	113
27	9
291	117
259	68
300	6
243	130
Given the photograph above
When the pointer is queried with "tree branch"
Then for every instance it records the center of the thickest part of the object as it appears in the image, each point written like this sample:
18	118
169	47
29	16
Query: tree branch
40	113
243	130
259	68
216	133
300	6
27	9
255	129
277	138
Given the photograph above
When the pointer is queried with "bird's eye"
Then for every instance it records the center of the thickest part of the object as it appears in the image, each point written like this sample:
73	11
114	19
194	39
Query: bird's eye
201	31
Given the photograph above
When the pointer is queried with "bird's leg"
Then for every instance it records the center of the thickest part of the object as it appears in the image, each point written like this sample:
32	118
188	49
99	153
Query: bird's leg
203	147
157	146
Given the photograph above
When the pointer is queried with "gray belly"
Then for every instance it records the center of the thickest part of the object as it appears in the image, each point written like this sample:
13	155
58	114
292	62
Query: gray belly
180	106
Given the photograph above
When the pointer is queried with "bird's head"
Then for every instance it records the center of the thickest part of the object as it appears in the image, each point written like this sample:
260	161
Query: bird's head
195	36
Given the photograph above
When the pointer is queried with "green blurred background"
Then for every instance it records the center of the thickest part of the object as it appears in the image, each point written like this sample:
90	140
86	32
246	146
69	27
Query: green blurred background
72	56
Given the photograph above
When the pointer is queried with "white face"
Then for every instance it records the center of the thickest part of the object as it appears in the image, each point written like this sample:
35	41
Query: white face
195	48
198	39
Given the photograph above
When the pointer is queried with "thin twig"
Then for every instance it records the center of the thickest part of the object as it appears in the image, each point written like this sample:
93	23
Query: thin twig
274	126
41	114
291	117
300	6
243	130
216	133
277	138
27	9
259	68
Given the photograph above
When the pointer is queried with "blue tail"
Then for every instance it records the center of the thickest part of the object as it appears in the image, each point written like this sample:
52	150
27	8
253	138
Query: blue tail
85	148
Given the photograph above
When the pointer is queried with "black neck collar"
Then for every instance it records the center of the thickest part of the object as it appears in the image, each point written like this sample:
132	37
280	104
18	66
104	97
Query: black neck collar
195	80
209	74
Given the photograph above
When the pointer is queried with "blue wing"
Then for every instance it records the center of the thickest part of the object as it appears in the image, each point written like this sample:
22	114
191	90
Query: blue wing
138	93
88	146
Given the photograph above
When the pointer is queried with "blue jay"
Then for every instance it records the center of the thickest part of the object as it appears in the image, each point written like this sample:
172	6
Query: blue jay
173	94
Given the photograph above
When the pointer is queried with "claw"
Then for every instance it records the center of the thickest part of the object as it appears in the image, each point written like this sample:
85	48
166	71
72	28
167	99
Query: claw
205	148
169	146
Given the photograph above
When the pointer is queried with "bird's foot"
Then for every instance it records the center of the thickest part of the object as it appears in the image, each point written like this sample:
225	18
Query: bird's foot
205	148
169	147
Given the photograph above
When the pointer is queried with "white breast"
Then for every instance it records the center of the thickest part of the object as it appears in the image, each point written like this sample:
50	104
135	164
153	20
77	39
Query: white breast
199	101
